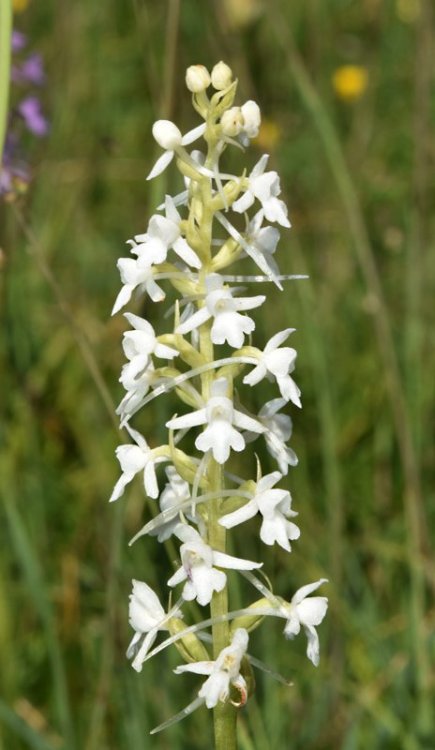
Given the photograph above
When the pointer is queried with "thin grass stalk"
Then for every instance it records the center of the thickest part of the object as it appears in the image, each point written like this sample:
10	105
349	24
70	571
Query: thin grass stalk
5	67
412	498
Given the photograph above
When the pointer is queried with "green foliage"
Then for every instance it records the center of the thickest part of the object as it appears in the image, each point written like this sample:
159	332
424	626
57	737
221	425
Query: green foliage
357	178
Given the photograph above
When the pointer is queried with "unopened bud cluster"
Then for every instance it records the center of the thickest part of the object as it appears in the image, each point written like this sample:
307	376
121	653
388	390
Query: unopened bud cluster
199	360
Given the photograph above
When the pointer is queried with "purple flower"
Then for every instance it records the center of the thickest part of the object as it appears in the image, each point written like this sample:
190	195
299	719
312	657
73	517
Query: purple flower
31	71
19	41
30	110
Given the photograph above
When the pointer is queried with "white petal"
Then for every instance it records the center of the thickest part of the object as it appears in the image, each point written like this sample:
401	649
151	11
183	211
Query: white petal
313	645
148	600
206	580
196	320
155	292
248	303
162	162
215	689
198	667
179	576
243	203
239	516
280	361
193	419
119	487
122	298
289	390
140	324
260	166
150	480
193	135
273	530
183	249
292	626
216	437
276	210
311	611
306	590
256	374
141	654
247	423
235	563
165	352
268	481
278	339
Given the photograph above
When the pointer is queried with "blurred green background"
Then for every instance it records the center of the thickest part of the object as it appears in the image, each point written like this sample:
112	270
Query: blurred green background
355	150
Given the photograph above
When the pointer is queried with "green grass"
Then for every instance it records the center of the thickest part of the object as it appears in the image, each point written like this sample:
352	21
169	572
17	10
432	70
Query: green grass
358	181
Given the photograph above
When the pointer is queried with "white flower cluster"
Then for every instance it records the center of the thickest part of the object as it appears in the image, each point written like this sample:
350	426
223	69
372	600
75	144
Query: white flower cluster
196	508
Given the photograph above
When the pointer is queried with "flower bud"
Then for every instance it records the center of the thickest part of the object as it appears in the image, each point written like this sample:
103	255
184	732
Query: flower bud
197	78
251	118
232	121
221	76
167	135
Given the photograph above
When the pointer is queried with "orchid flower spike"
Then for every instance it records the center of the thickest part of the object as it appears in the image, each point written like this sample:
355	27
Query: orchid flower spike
183	255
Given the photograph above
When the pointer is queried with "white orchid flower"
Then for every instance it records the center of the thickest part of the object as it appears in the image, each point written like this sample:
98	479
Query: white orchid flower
264	240
136	273
307	612
169	137
251	121
223	672
279	430
197	569
137	384
140	344
221	418
265	187
175	492
219	304
133	459
278	363
164	232
146	617
274	506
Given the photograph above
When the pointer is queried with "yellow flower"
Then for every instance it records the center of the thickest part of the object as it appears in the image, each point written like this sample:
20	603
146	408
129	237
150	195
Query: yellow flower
241	13
20	5
408	10
269	135
350	81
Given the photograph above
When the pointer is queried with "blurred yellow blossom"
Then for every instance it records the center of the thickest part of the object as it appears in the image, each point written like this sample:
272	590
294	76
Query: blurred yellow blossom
408	10
19	5
269	135
350	81
241	13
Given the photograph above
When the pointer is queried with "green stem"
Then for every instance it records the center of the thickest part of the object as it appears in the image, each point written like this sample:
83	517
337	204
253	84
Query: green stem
224	714
5	66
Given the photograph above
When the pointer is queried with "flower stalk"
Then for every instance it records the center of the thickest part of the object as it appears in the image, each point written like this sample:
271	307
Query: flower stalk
203	500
